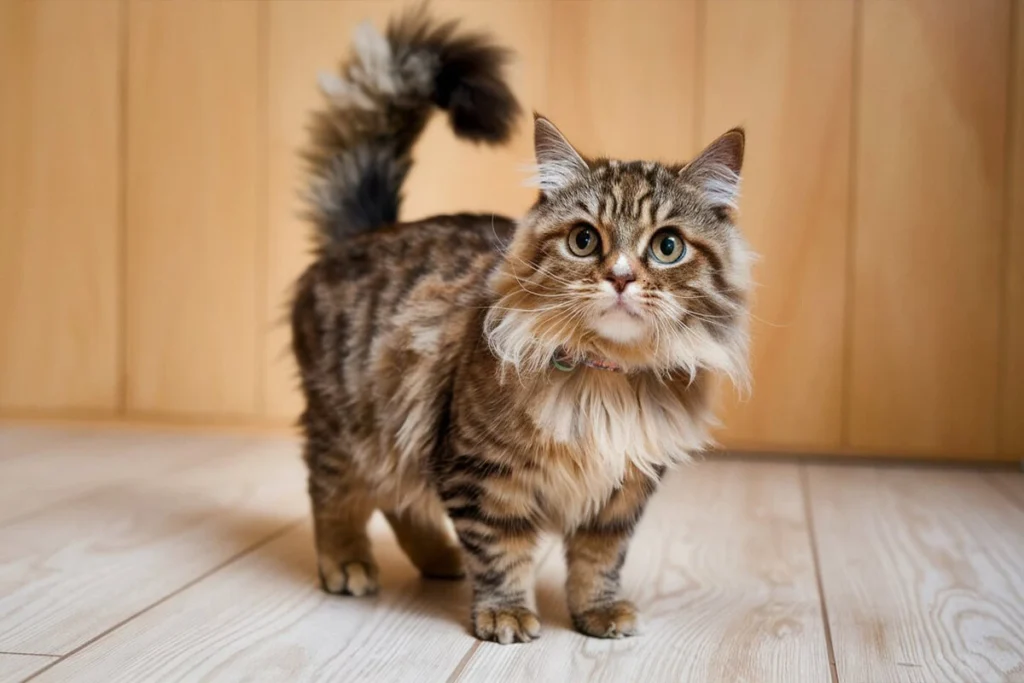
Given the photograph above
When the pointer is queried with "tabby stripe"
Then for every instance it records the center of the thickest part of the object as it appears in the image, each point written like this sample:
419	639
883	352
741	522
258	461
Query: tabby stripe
714	259
512	526
622	526
478	467
471	492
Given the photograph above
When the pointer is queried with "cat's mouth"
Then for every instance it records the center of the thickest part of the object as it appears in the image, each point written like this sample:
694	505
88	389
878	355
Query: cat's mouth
621	322
624	304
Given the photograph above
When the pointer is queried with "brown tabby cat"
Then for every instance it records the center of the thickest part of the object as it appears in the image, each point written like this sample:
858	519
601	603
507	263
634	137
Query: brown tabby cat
513	377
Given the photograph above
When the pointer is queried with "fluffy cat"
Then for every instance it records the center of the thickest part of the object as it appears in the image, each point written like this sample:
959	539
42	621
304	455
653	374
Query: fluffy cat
511	376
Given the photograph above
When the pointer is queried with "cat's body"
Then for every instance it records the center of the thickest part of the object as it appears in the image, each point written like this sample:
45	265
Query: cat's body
471	367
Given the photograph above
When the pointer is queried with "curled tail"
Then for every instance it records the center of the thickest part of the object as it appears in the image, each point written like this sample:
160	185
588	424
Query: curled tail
378	106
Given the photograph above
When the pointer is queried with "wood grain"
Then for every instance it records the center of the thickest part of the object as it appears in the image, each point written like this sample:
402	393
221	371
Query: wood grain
264	618
930	159
60	132
20	441
923	572
16	668
631	97
77	464
310	37
1010	483
783	69
722	571
1011	436
75	570
194	206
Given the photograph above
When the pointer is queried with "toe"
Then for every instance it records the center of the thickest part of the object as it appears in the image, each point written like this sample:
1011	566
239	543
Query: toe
506	624
355	578
617	620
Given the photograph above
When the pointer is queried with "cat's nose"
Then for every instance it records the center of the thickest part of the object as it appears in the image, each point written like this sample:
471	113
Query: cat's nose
619	282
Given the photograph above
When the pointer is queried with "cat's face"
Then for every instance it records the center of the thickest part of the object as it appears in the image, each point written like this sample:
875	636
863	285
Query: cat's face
638	263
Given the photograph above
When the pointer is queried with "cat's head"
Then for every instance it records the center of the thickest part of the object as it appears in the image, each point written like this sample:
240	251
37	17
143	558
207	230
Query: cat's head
638	263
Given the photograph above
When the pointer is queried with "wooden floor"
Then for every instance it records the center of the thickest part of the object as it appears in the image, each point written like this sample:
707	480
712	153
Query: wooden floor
136	557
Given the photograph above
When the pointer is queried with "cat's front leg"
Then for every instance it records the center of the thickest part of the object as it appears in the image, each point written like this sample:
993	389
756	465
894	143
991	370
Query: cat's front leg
499	544
595	553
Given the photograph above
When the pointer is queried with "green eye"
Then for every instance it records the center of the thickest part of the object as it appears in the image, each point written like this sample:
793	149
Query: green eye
667	246
583	240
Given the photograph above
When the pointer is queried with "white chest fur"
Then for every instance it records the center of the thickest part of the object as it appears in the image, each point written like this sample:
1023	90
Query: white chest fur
604	422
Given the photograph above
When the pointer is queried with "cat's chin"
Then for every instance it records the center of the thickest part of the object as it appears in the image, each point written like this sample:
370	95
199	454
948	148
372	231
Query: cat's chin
619	326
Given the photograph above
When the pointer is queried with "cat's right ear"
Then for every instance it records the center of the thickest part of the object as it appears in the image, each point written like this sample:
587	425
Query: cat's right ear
558	163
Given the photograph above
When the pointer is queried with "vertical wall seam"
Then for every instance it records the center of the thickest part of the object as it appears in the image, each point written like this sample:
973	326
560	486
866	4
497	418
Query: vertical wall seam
850	274
262	250
699	75
122	346
1009	188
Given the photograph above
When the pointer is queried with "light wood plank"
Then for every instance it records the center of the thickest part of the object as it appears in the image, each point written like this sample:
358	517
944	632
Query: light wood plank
923	574
930	164
60	129
264	618
632	98
195	211
76	570
310	37
722	571
1010	483
78	464
783	69
16	668
19	441
1011	437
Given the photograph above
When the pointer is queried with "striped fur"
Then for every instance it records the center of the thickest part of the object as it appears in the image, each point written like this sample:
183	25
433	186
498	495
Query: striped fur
425	348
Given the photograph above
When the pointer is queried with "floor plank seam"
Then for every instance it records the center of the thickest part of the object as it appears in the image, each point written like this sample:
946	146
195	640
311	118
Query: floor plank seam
27	654
184	587
463	663
805	490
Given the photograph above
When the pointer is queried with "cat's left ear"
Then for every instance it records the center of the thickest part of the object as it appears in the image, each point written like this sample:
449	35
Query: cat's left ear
558	163
716	170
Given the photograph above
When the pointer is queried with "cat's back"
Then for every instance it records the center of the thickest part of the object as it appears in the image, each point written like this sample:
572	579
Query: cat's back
407	286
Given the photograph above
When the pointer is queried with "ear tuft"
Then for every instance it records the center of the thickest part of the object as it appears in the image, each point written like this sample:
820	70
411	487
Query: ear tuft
716	170
558	163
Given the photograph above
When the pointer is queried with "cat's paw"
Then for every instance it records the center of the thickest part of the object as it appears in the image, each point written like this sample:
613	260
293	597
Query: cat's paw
506	624
354	577
617	620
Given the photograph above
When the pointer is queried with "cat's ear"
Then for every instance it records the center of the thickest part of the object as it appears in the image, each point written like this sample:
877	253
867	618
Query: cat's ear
558	163
716	170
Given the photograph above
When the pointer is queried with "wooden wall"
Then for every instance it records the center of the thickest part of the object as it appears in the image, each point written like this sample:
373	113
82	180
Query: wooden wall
149	184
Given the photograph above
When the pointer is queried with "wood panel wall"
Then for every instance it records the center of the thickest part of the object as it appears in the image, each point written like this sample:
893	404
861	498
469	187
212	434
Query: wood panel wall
149	227
60	201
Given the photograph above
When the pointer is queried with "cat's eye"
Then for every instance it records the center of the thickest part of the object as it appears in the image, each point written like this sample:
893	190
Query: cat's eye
667	246
584	240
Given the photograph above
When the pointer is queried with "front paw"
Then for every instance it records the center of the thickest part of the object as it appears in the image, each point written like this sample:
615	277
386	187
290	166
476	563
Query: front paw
505	624
354	577
617	620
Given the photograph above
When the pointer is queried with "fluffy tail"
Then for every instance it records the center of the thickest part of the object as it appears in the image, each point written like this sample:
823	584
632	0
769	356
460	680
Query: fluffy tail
378	106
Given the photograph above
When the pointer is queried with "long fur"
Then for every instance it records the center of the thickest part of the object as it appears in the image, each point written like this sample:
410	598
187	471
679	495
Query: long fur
380	102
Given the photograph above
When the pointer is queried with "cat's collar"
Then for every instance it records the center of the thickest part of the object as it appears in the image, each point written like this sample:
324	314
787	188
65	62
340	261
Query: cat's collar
560	360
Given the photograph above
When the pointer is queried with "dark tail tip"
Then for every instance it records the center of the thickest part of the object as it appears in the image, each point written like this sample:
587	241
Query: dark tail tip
471	82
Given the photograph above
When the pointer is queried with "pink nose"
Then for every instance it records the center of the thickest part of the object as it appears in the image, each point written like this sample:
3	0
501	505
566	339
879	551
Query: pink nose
620	281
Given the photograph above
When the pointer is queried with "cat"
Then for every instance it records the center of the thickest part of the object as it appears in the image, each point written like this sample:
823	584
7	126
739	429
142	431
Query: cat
513	377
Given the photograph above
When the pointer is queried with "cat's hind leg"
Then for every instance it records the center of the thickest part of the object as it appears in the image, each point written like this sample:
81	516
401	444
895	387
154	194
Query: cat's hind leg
342	506
426	539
